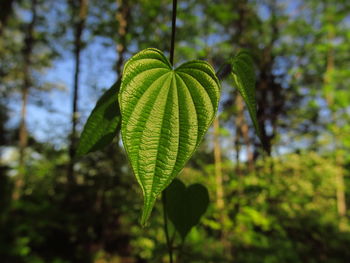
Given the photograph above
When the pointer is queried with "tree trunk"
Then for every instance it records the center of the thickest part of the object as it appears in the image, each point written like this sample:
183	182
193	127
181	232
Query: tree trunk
270	96
218	167
122	16
237	141
242	131
79	10
6	11
220	194
23	133
340	186
341	200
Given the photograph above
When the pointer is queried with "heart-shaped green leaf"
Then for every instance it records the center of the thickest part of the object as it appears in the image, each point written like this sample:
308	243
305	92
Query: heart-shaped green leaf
165	114
244	78
102	124
185	206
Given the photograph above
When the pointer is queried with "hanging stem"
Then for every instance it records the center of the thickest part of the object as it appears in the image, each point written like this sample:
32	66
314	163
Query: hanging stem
165	218
173	30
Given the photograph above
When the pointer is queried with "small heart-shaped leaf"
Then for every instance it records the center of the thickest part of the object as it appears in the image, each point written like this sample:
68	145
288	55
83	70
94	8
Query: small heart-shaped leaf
102	124
185	206
165	114
244	78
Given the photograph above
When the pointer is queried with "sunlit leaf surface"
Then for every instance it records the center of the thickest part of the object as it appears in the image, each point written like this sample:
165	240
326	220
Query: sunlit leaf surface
165	114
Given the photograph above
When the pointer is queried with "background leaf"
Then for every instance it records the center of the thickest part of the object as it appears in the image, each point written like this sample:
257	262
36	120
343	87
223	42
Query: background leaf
244	78
165	114
102	124
185	206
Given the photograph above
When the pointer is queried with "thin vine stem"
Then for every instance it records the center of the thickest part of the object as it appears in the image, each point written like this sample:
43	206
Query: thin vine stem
165	218
165	215
173	30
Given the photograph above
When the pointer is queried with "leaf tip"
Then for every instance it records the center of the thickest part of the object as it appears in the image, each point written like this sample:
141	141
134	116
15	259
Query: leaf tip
146	212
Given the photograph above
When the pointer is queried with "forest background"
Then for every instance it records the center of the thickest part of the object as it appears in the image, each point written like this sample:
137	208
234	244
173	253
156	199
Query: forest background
288	204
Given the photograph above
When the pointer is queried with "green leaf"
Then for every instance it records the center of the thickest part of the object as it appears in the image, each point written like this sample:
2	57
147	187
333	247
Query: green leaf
165	114
185	206
244	78
102	124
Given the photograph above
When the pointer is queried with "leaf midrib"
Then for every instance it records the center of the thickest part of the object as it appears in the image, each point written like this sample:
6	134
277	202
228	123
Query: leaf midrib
171	86
138	150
